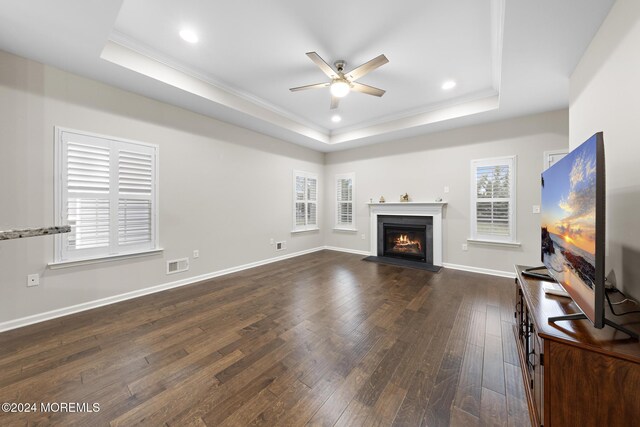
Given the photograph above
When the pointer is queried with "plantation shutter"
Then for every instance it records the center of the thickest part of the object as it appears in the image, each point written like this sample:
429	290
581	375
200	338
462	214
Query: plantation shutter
87	201
312	201
135	192
344	201
301	206
106	191
305	201
493	210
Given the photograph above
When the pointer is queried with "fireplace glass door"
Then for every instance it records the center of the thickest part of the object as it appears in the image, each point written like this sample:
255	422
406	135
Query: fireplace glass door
405	241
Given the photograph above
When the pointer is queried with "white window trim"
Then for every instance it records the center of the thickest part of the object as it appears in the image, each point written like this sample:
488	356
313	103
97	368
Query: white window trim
547	155
510	240
494	243
312	227
345	227
109	258
59	261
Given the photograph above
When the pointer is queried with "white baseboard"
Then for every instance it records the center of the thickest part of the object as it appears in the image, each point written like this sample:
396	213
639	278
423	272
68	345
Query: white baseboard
53	314
480	270
349	251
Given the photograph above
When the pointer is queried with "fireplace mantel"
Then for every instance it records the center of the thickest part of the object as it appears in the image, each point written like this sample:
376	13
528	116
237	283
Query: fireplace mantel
433	209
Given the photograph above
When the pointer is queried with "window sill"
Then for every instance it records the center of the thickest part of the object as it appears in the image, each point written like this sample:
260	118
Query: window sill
345	229
305	230
78	262
494	243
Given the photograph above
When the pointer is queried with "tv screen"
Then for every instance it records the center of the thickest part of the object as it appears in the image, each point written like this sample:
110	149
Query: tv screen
573	226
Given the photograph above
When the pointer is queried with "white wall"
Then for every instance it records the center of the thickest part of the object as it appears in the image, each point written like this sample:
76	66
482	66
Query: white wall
605	96
223	190
423	166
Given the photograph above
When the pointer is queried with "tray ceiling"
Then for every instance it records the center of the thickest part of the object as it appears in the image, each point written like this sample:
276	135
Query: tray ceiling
506	60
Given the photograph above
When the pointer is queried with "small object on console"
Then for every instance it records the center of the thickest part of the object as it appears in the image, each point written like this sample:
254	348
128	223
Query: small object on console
554	289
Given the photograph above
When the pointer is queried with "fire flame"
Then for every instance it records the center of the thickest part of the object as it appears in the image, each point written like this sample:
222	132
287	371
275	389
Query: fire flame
403	240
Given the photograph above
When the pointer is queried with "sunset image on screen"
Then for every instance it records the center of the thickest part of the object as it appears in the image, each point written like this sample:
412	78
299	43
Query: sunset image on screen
569	222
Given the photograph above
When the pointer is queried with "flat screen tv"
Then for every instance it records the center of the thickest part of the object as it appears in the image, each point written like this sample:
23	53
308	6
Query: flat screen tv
573	226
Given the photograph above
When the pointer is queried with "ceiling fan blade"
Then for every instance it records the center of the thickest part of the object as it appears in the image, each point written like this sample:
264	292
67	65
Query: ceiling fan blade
334	102
313	86
326	68
366	68
369	90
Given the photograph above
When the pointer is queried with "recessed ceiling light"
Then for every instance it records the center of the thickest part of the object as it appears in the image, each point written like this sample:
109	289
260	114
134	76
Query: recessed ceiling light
449	84
189	36
336	118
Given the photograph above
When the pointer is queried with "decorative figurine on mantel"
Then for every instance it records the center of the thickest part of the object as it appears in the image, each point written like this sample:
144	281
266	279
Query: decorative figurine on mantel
404	197
382	199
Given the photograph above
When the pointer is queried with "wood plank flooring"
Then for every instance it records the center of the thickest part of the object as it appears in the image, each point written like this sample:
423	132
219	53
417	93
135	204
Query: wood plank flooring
321	340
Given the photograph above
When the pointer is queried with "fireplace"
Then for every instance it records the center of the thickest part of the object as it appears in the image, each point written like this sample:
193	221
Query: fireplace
405	241
427	214
406	237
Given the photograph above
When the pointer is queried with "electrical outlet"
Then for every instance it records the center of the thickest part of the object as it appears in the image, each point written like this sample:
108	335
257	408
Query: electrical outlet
281	246
446	188
363	236
33	280
465	247
196	254
536	209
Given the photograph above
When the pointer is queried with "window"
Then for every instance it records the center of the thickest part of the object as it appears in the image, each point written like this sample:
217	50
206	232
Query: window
345	196
106	191
493	199
305	204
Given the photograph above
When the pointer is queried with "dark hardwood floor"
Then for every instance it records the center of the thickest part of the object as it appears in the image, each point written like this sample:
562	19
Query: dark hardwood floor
323	339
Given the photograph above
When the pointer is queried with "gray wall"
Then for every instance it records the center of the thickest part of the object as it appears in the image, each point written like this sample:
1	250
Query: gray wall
223	190
227	191
605	96
423	166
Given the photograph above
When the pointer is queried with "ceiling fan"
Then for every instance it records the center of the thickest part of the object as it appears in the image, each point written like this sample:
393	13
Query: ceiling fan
342	83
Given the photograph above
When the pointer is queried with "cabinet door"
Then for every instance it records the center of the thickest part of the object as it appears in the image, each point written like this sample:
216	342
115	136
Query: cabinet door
588	388
538	376
519	312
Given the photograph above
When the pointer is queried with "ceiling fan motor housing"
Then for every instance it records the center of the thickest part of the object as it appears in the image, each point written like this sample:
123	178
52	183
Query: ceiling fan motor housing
340	64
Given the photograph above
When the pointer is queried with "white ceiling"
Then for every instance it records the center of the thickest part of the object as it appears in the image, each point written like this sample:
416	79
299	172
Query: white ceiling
507	59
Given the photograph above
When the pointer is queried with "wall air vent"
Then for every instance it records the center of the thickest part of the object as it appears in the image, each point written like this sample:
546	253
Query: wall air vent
177	265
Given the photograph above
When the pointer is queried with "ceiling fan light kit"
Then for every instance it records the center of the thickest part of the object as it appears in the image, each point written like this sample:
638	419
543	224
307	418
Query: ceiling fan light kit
341	84
340	88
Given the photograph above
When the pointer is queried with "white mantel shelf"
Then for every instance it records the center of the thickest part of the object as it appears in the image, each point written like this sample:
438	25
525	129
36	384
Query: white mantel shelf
408	203
433	209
